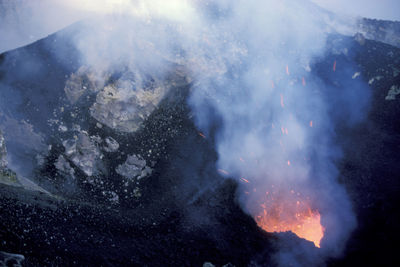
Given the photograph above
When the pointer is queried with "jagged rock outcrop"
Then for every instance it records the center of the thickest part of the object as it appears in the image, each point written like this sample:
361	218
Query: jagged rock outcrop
7	176
84	152
134	167
9	259
125	105
84	80
3	152
111	145
64	167
393	92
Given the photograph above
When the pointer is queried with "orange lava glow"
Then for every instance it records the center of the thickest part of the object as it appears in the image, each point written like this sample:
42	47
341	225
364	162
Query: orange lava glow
294	216
244	180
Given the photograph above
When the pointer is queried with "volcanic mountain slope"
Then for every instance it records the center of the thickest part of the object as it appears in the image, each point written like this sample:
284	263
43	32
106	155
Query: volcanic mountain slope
130	179
96	215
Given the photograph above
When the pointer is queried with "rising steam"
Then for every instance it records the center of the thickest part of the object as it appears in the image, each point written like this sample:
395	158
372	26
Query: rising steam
252	64
276	135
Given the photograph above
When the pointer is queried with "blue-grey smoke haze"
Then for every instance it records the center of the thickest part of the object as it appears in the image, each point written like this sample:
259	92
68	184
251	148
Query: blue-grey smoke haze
25	21
375	9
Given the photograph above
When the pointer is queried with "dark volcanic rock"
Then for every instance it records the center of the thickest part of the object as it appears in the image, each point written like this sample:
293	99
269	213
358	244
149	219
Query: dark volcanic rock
370	168
3	152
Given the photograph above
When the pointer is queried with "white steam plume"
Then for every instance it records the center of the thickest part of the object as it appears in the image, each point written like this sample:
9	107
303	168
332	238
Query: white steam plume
277	131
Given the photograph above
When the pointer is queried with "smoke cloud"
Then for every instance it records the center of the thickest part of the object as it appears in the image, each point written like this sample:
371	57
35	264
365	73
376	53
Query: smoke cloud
384	9
277	131
256	91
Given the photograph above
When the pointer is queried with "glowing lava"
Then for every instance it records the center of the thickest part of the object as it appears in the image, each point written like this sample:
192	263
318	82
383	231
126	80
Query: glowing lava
202	135
291	215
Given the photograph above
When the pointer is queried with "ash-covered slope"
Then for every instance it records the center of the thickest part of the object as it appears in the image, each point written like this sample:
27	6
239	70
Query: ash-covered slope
61	125
131	180
124	191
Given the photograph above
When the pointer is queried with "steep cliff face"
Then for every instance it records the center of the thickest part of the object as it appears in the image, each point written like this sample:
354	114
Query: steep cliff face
3	152
6	175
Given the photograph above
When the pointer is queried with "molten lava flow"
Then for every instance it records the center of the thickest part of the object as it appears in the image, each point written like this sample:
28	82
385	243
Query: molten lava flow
223	172
279	214
202	135
244	180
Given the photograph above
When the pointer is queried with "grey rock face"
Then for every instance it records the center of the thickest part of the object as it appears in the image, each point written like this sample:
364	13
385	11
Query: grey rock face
110	145
6	175
9	259
3	152
393	92
83	151
64	167
22	132
9	177
134	167
80	82
124	106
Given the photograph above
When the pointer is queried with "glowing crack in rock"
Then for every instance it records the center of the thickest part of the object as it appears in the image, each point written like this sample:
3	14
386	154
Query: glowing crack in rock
280	213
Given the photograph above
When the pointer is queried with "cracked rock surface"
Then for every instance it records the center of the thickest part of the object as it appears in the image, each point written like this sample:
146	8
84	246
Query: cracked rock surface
134	167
